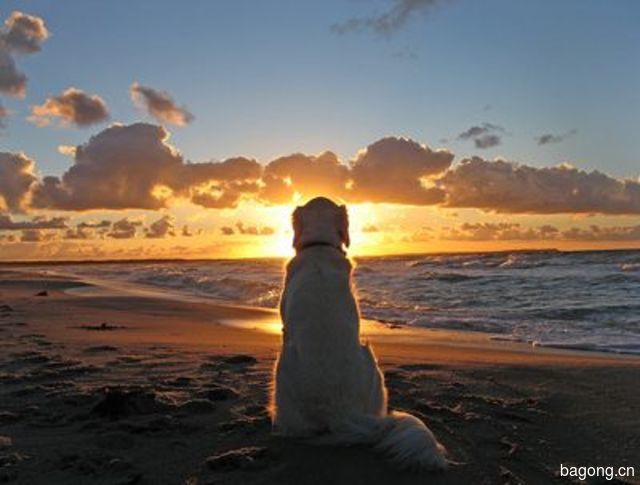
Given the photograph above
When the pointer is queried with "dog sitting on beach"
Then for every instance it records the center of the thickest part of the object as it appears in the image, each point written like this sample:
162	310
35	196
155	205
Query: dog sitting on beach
328	388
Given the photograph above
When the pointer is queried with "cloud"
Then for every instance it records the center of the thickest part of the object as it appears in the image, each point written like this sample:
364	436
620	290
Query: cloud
8	224
77	233
104	224
24	33
21	34
134	167
502	186
4	114
32	235
599	233
307	175
163	227
242	228
72	107
395	170
160	105
387	23
550	138
369	228
16	180
506	231
12	81
483	136
124	229
498	231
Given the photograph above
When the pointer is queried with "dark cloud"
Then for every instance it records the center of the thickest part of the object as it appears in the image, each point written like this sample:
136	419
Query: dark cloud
77	233
242	228
508	187
72	107
483	136
12	81
506	231
389	22
21	34
600	233
134	167
16	180
8	224
487	141
498	231
160	105
4	114
163	227
395	170
124	229
104	224
550	138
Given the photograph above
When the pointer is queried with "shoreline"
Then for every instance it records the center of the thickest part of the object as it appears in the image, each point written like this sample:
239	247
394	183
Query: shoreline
103	287
144	390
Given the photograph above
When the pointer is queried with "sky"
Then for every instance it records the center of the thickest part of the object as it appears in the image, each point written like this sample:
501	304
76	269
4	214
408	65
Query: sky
451	125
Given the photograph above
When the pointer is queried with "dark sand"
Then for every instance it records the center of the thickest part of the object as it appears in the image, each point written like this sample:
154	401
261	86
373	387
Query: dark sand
125	389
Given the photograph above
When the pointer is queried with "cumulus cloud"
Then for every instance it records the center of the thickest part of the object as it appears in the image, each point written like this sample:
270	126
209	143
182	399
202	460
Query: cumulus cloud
160	105
24	33
72	107
21	34
483	136
397	170
548	138
124	229
389	22
16	180
134	167
40	222
508	187
163	227
306	175
227	231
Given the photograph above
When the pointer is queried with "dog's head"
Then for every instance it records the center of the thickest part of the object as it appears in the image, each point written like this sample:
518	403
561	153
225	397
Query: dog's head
320	221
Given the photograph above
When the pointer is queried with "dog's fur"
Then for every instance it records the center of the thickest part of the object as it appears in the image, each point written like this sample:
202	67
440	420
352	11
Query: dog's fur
328	387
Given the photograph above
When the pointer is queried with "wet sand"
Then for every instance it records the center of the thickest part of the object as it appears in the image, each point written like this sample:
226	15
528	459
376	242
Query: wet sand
118	388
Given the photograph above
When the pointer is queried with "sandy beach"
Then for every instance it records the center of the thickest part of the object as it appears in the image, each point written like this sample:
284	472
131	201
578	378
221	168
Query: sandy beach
108	387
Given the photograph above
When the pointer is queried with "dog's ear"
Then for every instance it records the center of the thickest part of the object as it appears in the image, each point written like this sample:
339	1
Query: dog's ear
343	225
296	222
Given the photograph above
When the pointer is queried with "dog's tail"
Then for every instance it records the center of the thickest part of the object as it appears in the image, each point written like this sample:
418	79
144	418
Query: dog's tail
402	438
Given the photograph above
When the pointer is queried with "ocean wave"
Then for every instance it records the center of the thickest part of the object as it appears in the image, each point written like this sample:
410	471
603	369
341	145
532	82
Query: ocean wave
630	267
451	277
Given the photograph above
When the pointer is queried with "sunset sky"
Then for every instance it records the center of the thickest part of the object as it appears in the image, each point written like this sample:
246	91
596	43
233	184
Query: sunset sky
192	129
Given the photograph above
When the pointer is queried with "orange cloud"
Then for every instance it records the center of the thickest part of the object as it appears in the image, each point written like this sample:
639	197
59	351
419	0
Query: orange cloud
508	187
72	107
160	105
16	180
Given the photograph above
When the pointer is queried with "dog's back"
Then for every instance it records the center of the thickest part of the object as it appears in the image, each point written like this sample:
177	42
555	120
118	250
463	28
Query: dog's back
327	385
328	374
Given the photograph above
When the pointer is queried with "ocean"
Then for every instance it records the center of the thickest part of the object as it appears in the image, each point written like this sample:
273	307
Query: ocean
585	300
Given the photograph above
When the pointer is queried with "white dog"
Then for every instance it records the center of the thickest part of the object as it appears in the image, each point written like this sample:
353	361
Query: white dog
328	387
